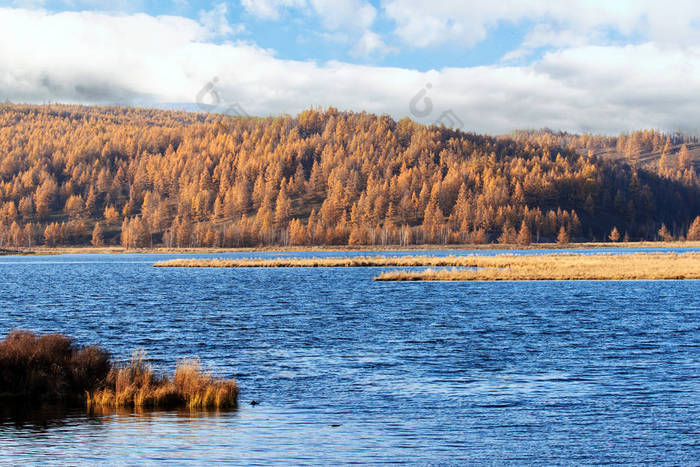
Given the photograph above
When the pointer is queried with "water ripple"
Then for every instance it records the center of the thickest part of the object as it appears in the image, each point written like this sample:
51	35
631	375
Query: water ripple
349	370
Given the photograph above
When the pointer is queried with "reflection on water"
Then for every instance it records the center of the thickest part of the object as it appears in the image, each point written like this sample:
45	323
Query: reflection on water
111	435
41	417
261	435
347	369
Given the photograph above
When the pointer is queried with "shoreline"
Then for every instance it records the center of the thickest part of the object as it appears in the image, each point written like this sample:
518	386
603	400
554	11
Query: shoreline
45	251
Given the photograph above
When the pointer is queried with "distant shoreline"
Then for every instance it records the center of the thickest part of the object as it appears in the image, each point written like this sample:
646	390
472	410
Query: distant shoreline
339	248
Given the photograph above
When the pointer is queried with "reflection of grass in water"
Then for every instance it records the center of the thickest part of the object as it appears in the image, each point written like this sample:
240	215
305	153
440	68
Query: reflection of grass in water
51	368
38	417
156	414
639	266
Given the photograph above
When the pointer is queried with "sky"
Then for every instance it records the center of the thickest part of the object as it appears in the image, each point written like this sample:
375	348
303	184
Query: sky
483	66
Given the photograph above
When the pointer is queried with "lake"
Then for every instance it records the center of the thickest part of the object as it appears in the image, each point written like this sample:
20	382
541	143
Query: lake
351	370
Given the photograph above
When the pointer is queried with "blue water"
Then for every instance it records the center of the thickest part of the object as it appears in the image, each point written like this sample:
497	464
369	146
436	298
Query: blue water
509	372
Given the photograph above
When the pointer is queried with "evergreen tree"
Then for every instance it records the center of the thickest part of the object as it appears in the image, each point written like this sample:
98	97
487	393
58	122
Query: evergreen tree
524	235
562	236
614	235
664	234
97	235
694	230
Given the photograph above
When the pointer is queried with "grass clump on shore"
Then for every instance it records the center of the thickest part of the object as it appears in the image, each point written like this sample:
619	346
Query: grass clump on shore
52	368
638	266
136	385
49	368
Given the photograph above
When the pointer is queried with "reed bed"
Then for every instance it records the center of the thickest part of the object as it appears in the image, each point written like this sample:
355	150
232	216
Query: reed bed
52	368
638	266
568	266
136	385
346	262
48	368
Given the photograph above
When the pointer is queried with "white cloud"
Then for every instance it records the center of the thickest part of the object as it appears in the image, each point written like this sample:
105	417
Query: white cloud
348	20
139	59
546	35
103	5
371	44
423	24
345	14
333	14
354	18
270	9
29	3
217	24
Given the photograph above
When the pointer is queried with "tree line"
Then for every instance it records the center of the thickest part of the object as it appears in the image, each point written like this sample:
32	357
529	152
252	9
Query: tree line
72	175
667	154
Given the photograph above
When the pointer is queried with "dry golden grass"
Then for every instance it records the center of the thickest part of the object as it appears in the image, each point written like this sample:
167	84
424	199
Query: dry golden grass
500	267
52	368
356	262
639	266
48	368
136	385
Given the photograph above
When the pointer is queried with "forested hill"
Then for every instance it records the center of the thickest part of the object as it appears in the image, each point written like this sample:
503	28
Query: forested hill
75	175
668	154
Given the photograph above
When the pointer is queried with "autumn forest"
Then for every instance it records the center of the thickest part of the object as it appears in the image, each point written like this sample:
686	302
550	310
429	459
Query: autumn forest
72	175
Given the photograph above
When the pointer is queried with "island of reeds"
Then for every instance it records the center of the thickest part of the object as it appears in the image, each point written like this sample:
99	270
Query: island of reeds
566	266
562	267
52	368
339	262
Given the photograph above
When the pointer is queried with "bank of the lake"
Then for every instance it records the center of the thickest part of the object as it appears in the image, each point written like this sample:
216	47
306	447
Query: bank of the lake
64	250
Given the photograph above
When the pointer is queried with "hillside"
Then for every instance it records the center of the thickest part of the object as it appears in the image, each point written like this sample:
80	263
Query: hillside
666	154
75	175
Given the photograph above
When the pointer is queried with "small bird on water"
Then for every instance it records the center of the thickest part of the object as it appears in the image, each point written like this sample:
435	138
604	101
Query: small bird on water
254	403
